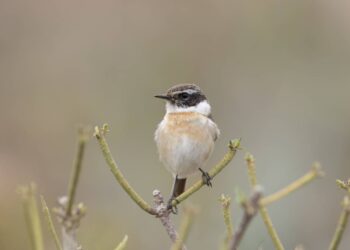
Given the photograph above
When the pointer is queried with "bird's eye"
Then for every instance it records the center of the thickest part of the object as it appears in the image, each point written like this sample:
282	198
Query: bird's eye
184	96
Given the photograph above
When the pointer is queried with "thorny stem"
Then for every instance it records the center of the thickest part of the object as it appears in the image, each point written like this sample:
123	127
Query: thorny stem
314	173
73	183
262	209
28	194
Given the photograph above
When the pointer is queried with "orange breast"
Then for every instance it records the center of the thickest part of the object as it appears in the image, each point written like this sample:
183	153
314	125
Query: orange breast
184	142
191	124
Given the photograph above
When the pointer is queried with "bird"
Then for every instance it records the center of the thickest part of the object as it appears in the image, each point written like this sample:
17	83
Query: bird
186	136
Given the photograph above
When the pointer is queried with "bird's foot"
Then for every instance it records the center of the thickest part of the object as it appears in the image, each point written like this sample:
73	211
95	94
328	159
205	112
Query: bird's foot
206	178
172	208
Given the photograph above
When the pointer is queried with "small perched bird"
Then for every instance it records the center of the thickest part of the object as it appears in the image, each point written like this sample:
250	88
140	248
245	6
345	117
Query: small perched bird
186	135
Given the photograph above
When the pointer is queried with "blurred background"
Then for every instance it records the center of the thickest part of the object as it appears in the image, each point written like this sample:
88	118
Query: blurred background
276	73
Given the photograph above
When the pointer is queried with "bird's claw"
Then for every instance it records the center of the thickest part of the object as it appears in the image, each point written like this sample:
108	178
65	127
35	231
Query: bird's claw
170	207
206	178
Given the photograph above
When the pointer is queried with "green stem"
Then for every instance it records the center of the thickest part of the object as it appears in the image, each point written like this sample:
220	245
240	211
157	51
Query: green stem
99	134
250	209
31	213
262	209
122	244
343	220
233	147
49	222
184	230
295	185
270	228
226	202
73	183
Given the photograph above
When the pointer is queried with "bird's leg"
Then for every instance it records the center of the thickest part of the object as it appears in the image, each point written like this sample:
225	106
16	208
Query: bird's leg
206	178
178	188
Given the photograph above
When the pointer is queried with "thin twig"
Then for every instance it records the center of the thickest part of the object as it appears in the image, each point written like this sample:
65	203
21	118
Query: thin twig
31	213
73	183
185	225
250	210
342	223
100	136
262	209
344	184
233	146
50	225
270	228
68	214
314	173
226	202
122	244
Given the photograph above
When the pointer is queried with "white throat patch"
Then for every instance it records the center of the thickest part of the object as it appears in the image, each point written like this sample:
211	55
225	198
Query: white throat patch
203	108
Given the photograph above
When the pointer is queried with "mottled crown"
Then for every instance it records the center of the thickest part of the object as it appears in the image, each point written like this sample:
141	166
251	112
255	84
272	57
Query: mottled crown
184	87
185	95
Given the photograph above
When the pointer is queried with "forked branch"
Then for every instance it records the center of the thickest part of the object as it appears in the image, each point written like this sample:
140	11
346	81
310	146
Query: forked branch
262	209
100	136
250	209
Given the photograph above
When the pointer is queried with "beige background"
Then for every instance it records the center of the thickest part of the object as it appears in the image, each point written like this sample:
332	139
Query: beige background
276	73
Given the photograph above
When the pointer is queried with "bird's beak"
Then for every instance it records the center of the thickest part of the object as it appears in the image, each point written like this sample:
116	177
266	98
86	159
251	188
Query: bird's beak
165	97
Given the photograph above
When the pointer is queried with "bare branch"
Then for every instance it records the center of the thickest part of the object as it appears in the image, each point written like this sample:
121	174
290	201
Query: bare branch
342	223
250	209
83	136
69	224
262	209
100	136
50	225
314	173
164	216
